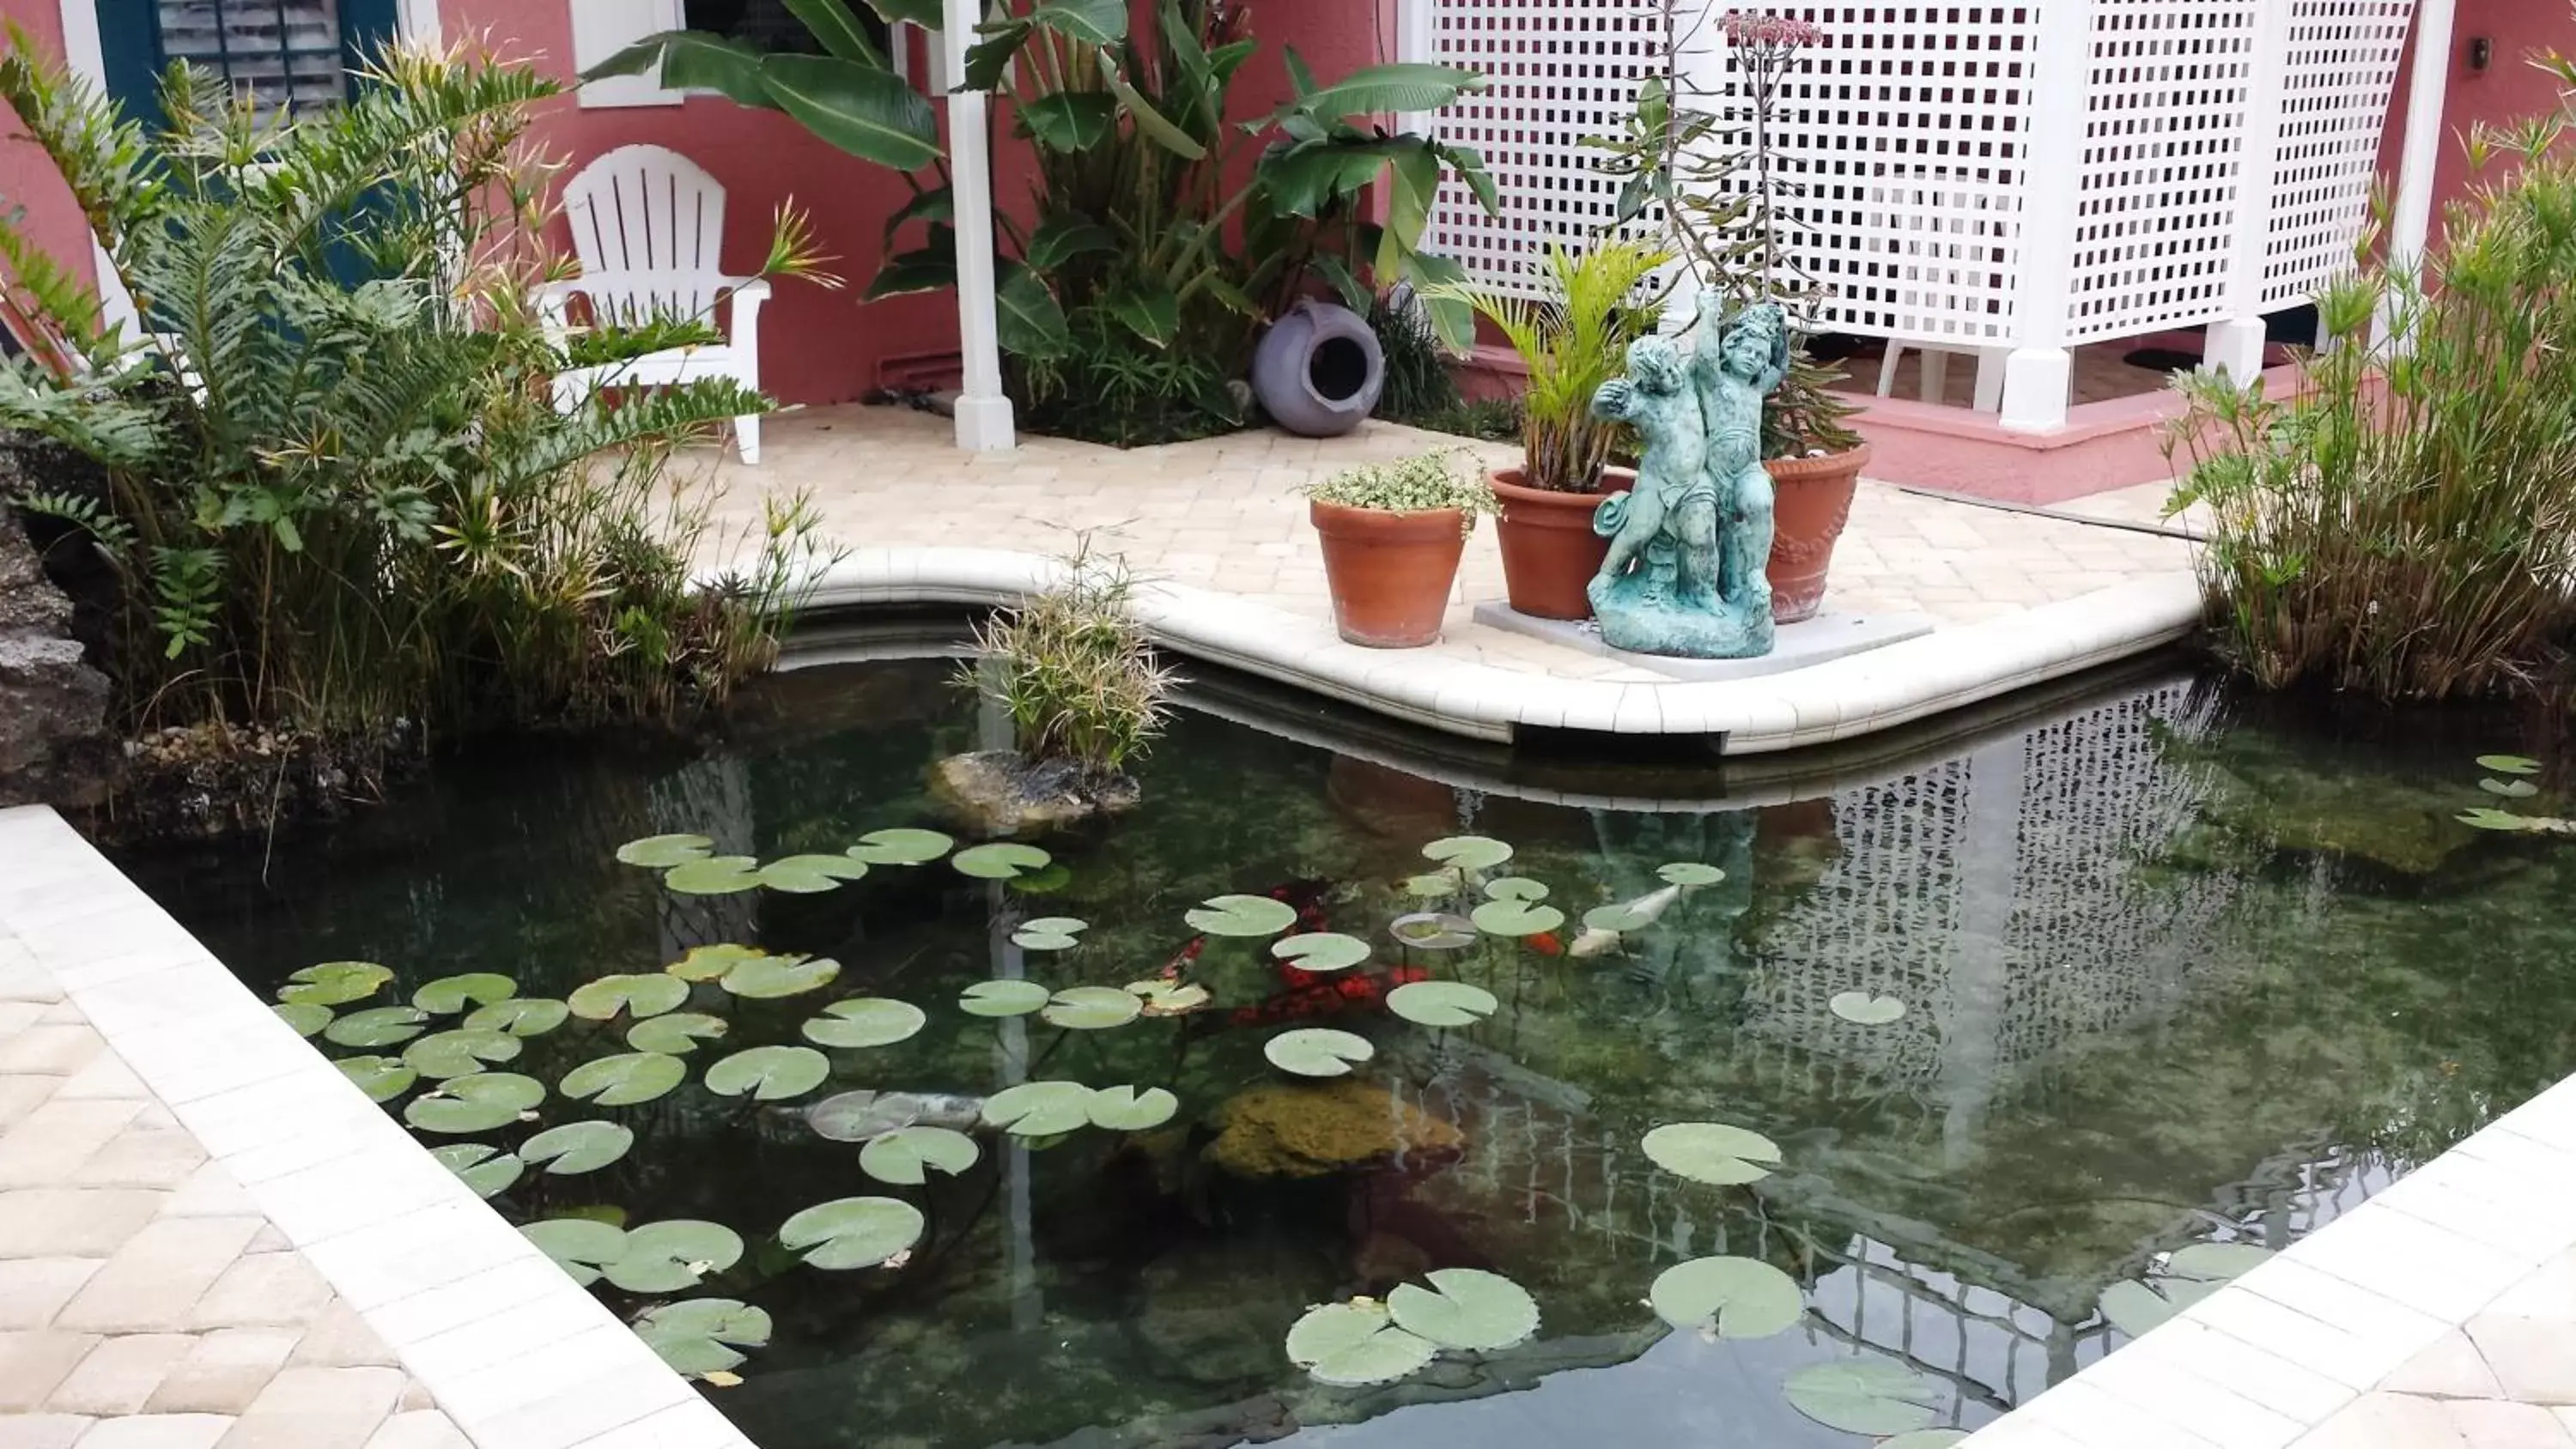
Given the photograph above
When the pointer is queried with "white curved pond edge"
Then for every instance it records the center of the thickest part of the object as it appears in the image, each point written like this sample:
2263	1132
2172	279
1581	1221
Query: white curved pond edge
517	1354
1447	688
2348	1338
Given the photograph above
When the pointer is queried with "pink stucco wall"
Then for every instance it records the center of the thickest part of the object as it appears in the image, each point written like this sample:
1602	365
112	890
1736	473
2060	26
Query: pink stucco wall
2510	87
27	179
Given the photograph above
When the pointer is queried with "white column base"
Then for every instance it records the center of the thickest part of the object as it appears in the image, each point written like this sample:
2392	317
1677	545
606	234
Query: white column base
2038	381
984	425
2236	348
1990	378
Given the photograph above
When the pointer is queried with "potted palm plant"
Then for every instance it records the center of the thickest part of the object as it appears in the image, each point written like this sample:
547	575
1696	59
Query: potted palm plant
1571	341
1393	534
1719	203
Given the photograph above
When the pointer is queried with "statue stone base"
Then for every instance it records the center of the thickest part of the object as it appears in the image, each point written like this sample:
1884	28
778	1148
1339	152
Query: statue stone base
1645	624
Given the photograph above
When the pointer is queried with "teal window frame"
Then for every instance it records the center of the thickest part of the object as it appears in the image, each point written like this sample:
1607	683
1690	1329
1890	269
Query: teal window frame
130	42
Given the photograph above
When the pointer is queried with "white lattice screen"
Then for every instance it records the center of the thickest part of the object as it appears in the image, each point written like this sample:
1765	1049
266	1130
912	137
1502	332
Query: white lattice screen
1905	137
2341	65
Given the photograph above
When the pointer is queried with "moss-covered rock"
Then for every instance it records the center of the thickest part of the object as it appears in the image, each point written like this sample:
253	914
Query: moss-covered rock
1296	1129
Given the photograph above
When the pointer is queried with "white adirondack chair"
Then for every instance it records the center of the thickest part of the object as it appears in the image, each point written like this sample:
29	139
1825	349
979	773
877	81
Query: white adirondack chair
648	224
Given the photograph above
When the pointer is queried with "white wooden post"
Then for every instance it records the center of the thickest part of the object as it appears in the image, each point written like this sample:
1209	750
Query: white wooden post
1413	44
2428	84
2040	374
984	423
2235	346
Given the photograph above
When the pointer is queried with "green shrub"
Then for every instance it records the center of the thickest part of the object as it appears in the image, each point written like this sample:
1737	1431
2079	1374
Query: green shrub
1074	670
338	490
1572	342
2407	527
1418	384
1409	485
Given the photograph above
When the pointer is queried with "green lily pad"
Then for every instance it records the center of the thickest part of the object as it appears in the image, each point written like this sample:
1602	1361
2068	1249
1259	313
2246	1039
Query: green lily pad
770	977
1321	951
377	1026
1003	998
2510	789
865	1021
1467	852
1516	918
1926	1439
2217	1262
853	1232
710	963
1050	933
1352	1345
1044	881
582	1247
1442	1003
334	983
1471	1310
675	1034
381	1078
638	994
1864	1009
450	994
1168	998
1091	1008
717	875
459	1053
520	1016
905	1156
2509	764
1001	860
1435	884
485	1168
2189	1275
808	875
673	1256
625	1079
1433	931
701	1336
661	852
1039	1109
479	1103
1317	1051
305	1017
2501	820
1618	917
577	1147
1515	888
1712	1152
1239	915
1727	1297
1690	873
769	1073
1124	1109
866	1114
1865	1396
900	847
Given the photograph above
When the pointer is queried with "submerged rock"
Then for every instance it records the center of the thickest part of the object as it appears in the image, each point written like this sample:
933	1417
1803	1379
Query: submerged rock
1283	1129
1001	792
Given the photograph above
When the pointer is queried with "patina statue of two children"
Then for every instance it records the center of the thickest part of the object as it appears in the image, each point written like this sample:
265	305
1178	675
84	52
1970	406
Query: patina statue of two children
1689	543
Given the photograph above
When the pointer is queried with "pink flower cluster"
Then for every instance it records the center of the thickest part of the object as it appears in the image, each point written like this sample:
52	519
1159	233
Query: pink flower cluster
1743	28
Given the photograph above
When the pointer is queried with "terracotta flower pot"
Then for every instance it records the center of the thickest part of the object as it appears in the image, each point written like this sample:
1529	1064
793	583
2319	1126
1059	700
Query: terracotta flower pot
1813	499
1549	549
1390	573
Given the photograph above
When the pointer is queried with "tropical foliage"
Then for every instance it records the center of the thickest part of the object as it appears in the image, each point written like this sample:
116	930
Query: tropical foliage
1074	670
2406	525
1164	230
1572	341
338	491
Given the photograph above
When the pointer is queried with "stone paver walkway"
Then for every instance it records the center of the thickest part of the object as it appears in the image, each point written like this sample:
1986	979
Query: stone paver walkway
1224	514
2506	1379
145	1303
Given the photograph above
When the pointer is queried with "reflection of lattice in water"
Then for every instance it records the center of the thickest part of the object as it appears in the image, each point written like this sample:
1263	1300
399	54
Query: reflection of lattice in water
1995	895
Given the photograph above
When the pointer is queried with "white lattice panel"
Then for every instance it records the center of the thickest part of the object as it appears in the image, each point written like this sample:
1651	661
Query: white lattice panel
2341	68
1556	71
2164	155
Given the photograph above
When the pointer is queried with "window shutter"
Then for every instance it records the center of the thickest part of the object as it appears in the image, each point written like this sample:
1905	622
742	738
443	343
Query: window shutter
284	52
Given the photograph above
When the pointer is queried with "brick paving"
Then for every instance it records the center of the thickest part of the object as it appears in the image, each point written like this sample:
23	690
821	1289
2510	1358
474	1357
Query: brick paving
2506	1379
1223	514
145	1302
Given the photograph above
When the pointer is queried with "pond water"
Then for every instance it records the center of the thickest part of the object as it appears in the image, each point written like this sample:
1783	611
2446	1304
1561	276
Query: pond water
2174	970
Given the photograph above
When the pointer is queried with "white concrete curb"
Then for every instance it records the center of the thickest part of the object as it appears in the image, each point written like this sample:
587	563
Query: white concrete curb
1832	701
515	1352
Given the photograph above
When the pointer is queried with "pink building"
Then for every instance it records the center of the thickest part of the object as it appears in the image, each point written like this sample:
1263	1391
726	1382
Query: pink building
826	347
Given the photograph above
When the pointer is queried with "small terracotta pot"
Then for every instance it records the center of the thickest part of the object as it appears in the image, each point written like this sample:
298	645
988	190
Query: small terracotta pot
1812	501
1550	552
1390	573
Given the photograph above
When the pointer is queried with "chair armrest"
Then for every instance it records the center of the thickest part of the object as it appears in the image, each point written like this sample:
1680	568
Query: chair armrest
754	290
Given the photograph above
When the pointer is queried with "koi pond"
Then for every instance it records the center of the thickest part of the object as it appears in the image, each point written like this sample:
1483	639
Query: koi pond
1357	1096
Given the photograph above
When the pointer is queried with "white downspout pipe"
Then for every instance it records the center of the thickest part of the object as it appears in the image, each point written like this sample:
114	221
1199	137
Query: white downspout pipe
984	423
2428	86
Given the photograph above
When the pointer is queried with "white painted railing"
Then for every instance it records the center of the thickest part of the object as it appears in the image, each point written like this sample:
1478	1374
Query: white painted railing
2006	179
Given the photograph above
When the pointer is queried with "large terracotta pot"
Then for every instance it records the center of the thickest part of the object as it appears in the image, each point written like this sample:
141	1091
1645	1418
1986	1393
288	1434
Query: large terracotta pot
1390	573
1812	501
1550	552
